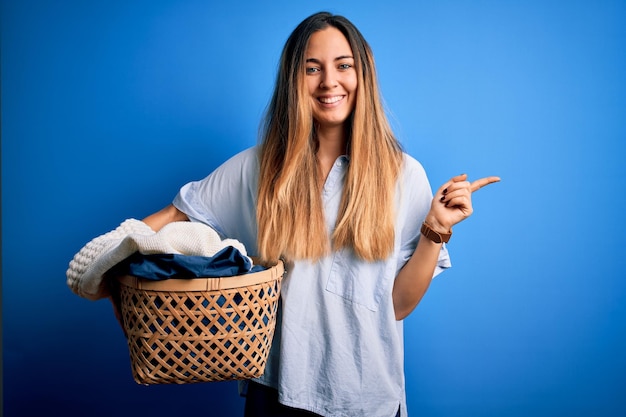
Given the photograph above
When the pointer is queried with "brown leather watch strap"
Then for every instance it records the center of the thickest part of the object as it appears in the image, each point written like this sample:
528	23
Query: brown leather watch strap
435	236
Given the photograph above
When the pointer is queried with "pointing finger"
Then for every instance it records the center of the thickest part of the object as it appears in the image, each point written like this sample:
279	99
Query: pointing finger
478	184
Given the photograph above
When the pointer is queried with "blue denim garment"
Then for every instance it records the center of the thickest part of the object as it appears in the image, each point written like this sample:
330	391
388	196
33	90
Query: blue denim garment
226	263
338	349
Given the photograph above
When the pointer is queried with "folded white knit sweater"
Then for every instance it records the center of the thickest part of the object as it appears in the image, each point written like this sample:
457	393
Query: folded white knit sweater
85	275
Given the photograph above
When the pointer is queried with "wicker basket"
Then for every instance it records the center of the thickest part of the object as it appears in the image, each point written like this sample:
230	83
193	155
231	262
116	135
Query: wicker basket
200	330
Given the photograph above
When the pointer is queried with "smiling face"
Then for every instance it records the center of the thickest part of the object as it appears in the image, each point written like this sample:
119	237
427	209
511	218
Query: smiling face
331	77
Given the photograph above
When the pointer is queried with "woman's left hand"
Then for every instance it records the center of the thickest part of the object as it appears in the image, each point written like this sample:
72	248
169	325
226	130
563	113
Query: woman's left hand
453	202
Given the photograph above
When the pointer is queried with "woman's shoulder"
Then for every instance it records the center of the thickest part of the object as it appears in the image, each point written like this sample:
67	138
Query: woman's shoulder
414	184
412	167
243	160
250	154
243	165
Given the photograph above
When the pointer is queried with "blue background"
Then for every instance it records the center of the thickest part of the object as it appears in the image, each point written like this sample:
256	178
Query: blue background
108	107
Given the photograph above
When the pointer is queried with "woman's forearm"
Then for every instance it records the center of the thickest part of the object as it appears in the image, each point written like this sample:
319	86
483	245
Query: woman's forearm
415	277
162	217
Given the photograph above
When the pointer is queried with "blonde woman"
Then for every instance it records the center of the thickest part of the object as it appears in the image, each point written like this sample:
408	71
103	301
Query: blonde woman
330	191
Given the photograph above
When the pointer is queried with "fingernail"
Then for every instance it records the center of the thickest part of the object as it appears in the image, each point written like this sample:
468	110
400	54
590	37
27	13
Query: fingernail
442	198
447	203
445	190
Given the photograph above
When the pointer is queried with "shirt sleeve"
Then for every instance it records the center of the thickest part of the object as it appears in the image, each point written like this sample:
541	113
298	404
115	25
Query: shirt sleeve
415	197
226	199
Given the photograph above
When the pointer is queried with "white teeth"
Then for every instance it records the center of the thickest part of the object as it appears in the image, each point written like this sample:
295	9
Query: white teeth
330	100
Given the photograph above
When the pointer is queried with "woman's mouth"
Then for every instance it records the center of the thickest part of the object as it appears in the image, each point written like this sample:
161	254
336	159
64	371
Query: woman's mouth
330	100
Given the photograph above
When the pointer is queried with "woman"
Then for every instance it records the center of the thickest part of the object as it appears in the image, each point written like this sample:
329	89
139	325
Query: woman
331	191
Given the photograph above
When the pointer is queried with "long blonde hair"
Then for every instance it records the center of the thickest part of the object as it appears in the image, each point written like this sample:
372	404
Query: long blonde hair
290	212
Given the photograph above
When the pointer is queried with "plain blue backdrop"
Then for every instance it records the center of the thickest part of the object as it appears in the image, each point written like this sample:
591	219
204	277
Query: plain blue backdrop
108	107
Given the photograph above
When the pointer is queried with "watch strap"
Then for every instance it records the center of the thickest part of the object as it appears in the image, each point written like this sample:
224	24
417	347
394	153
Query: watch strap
436	237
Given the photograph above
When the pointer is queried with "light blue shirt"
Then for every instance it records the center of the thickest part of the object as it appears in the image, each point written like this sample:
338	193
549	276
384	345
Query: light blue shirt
338	349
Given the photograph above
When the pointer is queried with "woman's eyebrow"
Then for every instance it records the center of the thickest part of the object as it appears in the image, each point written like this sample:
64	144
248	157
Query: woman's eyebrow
339	58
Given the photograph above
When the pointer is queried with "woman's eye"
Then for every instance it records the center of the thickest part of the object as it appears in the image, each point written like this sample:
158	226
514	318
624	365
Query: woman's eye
345	66
312	70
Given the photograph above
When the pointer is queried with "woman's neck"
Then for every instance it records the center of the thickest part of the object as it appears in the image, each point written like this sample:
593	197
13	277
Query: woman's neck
332	144
332	141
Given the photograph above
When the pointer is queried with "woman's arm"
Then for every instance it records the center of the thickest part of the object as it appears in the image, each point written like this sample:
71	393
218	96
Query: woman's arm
415	277
452	204
164	216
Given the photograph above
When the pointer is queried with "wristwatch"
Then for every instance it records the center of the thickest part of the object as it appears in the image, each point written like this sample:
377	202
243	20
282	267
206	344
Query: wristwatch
435	236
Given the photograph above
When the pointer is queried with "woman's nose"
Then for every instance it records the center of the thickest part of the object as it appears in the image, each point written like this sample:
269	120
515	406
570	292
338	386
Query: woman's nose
329	79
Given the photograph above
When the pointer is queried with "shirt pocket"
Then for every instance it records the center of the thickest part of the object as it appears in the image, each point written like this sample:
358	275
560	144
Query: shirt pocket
360	282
